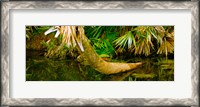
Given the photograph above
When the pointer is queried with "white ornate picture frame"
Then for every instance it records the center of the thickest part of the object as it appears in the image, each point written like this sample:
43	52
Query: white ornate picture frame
8	7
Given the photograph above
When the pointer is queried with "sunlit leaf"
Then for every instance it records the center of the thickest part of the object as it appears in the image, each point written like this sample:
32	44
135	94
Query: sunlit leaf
52	29
57	34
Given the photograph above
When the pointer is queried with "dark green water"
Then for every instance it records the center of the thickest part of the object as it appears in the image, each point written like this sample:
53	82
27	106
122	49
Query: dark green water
39	68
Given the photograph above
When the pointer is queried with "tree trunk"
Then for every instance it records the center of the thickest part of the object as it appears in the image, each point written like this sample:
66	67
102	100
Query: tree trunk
95	61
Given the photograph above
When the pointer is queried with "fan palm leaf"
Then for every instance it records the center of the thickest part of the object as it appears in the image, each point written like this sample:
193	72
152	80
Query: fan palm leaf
125	42
167	44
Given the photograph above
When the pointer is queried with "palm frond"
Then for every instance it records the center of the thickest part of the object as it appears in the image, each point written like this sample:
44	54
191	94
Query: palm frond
126	41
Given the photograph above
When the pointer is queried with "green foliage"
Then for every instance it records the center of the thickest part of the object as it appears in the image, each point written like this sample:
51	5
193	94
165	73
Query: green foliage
33	30
145	40
101	38
114	40
100	31
107	41
140	40
125	42
103	46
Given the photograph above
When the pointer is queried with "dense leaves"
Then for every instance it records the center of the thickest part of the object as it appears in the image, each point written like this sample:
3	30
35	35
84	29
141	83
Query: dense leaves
109	40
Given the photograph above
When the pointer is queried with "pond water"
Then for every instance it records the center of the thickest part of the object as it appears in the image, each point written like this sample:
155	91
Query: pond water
39	68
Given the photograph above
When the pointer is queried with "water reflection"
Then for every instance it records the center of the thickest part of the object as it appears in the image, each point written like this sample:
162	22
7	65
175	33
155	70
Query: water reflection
39	68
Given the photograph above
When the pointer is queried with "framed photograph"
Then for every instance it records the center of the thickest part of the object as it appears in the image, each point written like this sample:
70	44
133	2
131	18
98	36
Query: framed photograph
119	53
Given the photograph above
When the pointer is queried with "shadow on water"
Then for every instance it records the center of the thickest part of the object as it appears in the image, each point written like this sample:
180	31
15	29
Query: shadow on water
39	68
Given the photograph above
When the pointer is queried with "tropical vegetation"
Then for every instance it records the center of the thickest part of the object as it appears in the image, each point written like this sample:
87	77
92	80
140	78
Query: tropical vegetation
102	45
